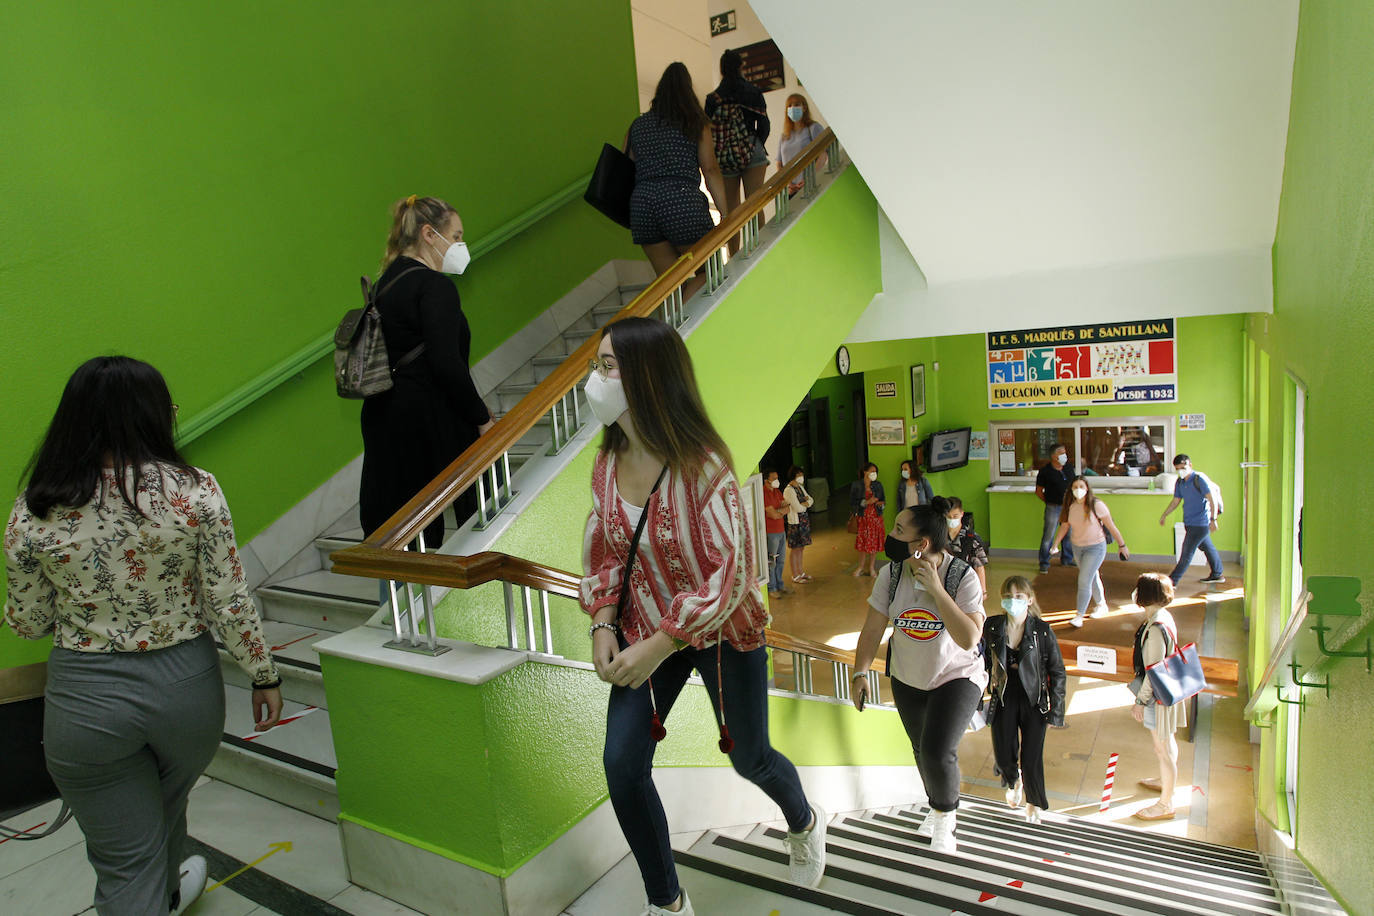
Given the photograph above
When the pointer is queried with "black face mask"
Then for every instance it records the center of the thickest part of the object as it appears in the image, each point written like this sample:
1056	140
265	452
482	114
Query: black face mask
896	550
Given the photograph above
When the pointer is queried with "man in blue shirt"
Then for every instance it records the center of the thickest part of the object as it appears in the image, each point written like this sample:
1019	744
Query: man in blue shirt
1200	512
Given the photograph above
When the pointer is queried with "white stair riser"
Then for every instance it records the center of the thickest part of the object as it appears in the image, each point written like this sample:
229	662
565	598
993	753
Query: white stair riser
300	789
305	611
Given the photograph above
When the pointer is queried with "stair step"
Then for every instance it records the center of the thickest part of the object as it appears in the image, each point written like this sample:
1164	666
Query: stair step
293	763
293	648
321	600
1030	848
863	887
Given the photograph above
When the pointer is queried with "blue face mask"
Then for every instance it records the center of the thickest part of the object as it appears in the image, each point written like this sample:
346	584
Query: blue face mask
795	112
1015	607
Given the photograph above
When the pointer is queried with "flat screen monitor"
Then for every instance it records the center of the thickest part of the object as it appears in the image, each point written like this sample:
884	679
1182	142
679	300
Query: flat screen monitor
947	449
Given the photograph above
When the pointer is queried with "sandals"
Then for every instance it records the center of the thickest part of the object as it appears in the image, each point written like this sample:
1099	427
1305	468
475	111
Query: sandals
1155	813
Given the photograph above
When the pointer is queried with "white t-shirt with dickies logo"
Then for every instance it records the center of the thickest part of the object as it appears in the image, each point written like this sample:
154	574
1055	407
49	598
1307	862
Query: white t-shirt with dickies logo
924	656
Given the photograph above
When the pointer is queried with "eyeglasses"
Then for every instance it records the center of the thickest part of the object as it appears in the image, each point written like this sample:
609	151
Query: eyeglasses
601	367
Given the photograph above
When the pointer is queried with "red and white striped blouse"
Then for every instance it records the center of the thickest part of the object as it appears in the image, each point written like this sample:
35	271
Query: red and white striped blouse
693	578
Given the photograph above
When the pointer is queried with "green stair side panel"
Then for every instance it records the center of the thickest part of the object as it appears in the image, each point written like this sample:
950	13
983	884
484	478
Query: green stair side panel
490	775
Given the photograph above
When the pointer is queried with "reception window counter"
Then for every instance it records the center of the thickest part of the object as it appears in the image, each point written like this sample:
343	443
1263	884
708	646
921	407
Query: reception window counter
1017	516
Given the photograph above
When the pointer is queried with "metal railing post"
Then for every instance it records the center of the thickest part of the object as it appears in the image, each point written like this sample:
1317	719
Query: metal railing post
511	641
548	627
527	600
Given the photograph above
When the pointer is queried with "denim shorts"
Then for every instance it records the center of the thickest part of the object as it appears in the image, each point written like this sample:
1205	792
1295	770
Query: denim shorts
760	157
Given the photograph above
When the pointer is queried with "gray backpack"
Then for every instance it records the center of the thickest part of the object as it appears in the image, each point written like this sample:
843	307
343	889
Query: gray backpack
361	368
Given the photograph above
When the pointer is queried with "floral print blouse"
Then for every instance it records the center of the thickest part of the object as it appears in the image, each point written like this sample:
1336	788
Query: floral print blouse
102	578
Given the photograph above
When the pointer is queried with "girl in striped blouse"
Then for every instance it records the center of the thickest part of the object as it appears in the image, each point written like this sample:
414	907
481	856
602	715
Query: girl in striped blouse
691	601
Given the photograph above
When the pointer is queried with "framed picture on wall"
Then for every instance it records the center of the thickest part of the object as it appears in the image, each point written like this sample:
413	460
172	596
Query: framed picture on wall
918	390
886	431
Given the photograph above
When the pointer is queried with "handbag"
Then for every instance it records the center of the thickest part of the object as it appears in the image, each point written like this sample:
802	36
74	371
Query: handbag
853	526
613	180
1177	676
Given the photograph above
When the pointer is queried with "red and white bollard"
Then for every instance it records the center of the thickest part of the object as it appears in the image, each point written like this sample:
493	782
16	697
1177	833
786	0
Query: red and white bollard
1108	782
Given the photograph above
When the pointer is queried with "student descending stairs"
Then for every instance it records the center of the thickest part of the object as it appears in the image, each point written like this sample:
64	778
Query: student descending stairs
304	603
879	863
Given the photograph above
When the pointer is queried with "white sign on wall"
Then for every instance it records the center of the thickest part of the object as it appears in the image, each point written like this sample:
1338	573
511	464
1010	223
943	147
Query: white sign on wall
1097	658
1192	421
884	389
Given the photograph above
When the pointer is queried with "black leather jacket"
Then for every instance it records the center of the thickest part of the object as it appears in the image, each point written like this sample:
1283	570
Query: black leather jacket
1041	667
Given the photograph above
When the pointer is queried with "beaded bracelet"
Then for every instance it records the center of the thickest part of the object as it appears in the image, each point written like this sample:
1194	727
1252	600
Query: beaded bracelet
602	626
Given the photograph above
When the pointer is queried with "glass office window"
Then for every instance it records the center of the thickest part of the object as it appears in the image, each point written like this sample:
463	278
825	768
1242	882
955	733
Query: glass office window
1021	451
1124	450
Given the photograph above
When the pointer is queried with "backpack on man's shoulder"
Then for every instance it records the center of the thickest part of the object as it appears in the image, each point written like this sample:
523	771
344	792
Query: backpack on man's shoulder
1216	492
734	140
361	367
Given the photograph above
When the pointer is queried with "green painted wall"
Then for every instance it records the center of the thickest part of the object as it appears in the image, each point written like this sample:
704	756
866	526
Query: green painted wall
828	266
200	187
839	393
1323	292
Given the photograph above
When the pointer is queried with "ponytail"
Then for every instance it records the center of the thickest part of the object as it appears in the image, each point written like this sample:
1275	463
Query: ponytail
408	216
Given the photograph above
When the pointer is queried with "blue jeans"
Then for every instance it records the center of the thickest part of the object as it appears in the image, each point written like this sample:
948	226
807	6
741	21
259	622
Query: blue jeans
629	753
1090	560
1195	536
777	546
1047	538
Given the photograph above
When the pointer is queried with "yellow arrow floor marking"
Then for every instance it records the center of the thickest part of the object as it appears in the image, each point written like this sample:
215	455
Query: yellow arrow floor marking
272	851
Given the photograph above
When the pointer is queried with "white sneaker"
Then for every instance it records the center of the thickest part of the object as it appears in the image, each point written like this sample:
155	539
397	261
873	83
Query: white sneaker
193	874
927	824
942	832
1100	610
651	910
1032	814
806	851
1077	621
1015	794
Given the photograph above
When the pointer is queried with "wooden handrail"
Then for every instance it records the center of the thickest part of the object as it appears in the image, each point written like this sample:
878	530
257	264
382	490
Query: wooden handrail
788	643
406	524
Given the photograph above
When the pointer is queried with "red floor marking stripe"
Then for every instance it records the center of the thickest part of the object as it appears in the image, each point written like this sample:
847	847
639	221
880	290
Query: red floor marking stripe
1237	767
30	830
293	642
1199	789
1016	884
984	897
300	715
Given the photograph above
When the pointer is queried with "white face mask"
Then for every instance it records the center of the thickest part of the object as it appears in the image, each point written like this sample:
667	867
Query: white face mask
1061	459
799	481
954	523
774	483
1079	492
872	475
1185	473
456	258
606	397
1015	607
795	112
906	475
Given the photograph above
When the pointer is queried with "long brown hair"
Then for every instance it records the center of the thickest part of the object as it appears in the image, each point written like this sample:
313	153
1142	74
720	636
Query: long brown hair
661	388
675	102
789	127
408	216
1089	500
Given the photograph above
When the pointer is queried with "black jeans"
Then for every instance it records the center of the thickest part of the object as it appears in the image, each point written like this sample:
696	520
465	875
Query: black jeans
629	753
935	720
1018	742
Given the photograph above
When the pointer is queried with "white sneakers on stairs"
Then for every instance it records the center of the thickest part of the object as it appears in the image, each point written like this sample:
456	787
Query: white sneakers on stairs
939	826
806	851
652	910
194	872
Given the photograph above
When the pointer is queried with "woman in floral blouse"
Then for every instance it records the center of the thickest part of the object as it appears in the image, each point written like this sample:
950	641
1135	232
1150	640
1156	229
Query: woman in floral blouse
125	556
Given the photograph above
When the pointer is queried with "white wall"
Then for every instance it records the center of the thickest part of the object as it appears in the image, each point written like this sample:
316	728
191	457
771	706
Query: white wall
1219	283
669	30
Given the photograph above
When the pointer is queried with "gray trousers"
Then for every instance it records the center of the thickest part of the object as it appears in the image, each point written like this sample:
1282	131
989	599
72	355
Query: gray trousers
126	736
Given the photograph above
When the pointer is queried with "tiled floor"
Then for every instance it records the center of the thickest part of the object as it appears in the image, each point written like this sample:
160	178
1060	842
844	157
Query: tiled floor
1215	803
51	877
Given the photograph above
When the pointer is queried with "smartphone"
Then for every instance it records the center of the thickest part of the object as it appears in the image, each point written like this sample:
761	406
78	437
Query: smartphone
861	702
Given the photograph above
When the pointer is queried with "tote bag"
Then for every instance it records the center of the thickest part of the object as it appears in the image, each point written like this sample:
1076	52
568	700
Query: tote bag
1177	677
613	180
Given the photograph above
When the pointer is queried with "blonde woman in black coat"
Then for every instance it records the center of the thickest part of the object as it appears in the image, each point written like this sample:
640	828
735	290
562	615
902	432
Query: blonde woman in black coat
1027	681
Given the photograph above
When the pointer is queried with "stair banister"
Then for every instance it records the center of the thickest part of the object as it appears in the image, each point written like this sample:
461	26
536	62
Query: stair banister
489	451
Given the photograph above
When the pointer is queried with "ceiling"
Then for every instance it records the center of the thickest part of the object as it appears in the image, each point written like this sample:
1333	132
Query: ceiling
1062	138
